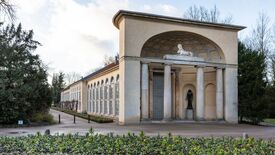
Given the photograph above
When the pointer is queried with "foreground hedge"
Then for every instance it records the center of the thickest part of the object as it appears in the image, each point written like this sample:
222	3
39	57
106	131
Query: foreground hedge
132	144
98	119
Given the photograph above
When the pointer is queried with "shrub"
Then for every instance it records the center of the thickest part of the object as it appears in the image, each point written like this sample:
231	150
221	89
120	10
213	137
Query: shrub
42	117
132	144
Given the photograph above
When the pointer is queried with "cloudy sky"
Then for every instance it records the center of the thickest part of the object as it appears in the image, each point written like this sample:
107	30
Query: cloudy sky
76	34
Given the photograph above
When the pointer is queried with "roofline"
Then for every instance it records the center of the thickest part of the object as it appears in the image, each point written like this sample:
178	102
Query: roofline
114	64
121	13
110	66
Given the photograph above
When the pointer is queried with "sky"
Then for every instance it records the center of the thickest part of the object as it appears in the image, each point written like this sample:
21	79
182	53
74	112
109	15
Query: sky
77	34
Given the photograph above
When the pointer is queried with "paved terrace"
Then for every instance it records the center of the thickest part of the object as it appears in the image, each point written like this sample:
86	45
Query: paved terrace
185	129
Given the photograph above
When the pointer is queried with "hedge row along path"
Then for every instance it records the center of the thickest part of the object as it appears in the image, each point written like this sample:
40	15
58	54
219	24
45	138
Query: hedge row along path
133	144
185	129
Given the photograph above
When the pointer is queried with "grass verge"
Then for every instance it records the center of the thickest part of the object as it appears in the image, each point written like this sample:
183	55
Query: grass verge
98	119
270	120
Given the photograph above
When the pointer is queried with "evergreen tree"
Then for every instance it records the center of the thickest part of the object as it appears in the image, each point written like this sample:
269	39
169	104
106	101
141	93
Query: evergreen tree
24	89
252	85
57	86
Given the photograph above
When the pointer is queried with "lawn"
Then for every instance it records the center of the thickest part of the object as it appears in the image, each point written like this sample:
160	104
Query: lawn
270	120
132	144
98	119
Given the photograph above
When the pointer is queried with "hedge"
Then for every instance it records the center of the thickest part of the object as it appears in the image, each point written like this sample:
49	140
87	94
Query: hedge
98	119
132	144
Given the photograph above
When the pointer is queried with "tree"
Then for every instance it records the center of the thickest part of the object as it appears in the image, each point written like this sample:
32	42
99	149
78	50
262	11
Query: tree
203	14
109	59
57	85
260	37
72	77
252	85
7	10
24	89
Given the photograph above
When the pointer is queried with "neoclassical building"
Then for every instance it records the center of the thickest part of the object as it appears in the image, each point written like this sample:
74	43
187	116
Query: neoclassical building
168	69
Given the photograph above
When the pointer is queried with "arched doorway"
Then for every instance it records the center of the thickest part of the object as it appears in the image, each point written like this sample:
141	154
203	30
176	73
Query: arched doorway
210	102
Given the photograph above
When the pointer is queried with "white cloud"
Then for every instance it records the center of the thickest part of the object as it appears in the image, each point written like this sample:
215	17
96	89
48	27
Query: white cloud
75	37
163	9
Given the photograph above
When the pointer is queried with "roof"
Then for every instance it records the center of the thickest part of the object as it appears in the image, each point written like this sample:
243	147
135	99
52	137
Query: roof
100	70
93	74
121	13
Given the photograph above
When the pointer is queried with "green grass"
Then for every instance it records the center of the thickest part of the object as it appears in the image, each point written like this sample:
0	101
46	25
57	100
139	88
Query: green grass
98	119
132	144
270	120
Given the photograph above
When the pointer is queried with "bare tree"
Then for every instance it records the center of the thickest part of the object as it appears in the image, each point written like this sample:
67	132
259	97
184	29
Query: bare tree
273	68
261	37
201	13
109	59
72	77
7	10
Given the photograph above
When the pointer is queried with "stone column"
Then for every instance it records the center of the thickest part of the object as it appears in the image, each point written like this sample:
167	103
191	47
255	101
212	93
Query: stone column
231	94
167	98
144	91
200	94
219	93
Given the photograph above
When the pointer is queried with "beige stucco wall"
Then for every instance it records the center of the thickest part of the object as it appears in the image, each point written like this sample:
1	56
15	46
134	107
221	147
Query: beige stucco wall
134	32
79	87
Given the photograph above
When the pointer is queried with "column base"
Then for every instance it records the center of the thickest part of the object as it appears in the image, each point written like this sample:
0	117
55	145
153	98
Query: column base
166	120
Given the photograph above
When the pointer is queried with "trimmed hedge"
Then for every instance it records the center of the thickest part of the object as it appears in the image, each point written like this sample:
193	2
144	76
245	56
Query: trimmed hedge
132	144
98	119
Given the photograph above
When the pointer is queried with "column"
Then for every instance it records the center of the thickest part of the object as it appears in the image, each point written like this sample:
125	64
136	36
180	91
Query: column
231	94
144	91
200	93
167	98
219	94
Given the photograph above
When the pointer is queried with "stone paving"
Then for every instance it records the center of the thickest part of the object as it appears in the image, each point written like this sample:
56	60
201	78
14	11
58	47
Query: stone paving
188	129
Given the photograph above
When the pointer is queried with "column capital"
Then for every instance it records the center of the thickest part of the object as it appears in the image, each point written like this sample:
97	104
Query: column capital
168	64
200	66
145	62
219	67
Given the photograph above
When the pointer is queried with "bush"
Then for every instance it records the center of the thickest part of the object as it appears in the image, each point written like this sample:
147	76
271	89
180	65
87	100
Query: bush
42	117
98	119
132	144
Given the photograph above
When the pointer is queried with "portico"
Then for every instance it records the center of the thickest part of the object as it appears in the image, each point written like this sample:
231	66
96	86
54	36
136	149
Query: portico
176	69
171	67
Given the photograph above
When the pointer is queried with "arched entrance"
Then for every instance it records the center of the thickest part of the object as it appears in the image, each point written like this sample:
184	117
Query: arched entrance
166	43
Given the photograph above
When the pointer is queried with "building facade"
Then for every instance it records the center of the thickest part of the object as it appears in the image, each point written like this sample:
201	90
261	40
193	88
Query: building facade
169	69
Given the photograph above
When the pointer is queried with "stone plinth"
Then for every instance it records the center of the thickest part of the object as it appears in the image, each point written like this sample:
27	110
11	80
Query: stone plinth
189	114
181	57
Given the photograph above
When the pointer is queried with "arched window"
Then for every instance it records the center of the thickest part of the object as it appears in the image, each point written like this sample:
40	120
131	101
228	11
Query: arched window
88	99
117	96
97	97
106	96
101	97
111	96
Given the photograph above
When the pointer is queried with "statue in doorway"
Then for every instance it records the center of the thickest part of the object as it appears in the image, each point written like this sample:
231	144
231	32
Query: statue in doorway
189	98
181	51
